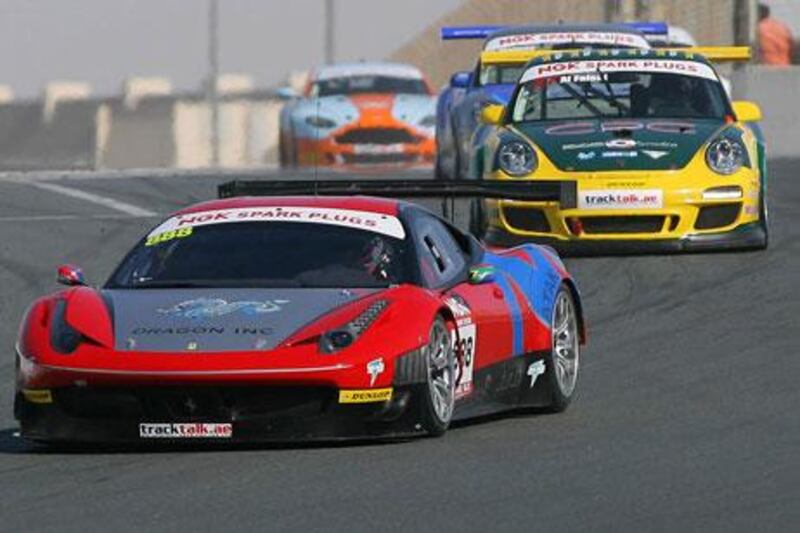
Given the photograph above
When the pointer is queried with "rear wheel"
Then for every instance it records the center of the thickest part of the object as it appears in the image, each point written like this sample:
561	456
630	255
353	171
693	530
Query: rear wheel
564	359
437	406
477	218
763	218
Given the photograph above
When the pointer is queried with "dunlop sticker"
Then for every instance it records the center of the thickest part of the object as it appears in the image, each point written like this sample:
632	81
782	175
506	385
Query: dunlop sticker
365	396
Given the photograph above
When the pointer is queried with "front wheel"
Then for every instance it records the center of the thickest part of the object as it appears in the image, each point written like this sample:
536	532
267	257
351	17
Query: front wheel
437	406
564	359
286	152
438	169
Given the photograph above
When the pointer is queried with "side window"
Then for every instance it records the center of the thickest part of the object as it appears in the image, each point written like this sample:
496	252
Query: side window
441	258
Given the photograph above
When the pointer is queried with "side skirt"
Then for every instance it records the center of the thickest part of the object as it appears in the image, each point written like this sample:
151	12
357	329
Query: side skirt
515	382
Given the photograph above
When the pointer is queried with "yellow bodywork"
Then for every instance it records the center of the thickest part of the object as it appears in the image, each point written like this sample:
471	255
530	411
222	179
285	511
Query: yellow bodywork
716	54
682	189
682	193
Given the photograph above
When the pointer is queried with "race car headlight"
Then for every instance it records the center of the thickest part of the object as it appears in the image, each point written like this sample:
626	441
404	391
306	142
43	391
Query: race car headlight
320	122
726	156
516	158
63	338
340	338
428	121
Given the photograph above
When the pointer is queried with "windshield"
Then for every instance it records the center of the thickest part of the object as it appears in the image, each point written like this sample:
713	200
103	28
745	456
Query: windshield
265	254
589	91
500	74
368	84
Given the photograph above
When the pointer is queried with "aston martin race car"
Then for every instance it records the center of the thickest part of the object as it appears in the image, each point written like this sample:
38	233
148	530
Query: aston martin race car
299	318
662	159
493	80
362	113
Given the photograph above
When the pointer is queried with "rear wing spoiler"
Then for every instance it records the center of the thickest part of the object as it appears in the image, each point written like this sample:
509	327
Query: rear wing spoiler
450	33
563	191
719	54
716	54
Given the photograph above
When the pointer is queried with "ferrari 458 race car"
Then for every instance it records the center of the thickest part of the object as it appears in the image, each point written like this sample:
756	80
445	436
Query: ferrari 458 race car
663	160
459	104
360	113
299	318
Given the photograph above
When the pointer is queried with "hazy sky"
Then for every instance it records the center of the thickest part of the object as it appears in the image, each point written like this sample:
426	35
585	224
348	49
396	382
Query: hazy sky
104	41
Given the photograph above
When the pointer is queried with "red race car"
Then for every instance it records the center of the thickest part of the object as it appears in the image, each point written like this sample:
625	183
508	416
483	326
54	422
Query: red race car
298	318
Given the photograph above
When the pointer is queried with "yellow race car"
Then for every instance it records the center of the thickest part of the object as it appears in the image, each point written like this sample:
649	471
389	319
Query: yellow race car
661	159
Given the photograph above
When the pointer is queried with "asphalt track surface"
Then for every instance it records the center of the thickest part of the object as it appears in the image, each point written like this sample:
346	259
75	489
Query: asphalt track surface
686	419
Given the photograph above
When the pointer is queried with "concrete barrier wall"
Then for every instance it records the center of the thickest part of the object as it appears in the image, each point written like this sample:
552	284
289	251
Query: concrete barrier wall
38	135
776	90
140	136
152	130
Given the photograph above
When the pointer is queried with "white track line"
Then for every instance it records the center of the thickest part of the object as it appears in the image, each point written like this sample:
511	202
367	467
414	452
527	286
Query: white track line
110	203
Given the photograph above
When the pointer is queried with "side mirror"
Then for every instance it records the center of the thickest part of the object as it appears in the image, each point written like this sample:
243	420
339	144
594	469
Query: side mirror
492	114
481	274
287	93
70	275
747	111
460	80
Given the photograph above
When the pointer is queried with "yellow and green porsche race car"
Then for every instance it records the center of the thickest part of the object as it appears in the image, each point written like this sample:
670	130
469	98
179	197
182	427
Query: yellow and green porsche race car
662	160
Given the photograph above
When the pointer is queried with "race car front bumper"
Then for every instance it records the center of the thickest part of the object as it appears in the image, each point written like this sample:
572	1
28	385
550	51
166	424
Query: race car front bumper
746	237
216	414
328	152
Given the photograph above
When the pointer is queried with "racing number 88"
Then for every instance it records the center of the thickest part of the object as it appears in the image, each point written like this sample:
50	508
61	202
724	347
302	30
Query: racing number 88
168	236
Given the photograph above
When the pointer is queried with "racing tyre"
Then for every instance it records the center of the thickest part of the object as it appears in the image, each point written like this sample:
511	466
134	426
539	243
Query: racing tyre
287	151
437	406
458	162
457	166
763	220
477	219
438	171
561	365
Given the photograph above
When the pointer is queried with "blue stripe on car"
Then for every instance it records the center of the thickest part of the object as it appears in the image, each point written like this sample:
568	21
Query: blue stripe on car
518	347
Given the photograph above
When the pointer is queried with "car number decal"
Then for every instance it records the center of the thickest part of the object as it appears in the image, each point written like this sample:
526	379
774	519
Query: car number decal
167	236
464	345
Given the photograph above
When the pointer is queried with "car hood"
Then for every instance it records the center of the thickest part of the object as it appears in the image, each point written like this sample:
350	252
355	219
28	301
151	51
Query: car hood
377	110
413	108
217	320
587	146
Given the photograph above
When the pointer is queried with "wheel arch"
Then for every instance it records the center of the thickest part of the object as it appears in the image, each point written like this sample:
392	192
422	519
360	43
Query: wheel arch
576	297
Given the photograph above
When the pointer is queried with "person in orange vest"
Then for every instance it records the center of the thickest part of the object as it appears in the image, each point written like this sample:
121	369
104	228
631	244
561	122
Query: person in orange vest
774	39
